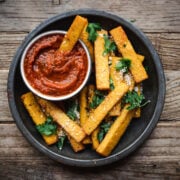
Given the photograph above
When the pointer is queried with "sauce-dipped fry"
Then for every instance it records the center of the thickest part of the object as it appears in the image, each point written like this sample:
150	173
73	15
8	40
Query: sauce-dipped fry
73	34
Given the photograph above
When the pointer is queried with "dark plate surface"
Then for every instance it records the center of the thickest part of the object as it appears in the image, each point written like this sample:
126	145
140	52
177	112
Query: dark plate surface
139	129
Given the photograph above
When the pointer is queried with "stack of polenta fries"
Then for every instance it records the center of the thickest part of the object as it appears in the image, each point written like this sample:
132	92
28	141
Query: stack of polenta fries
103	115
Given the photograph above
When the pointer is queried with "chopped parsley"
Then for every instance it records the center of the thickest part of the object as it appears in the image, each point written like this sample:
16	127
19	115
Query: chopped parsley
91	29
134	99
73	110
123	64
109	46
104	128
97	99
61	141
111	83
48	128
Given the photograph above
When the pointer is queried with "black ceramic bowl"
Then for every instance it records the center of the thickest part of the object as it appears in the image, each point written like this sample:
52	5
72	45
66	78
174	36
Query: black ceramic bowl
137	132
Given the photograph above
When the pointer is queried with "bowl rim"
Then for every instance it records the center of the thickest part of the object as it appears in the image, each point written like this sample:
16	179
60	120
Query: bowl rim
49	97
129	149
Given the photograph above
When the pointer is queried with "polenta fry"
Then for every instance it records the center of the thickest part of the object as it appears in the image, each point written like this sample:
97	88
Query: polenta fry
83	111
37	115
117	78
102	110
73	34
115	132
77	146
71	127
94	137
126	49
101	62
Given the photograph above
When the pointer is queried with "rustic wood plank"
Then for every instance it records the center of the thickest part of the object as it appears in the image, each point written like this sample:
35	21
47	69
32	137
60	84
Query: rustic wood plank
9	43
150	16
157	158
172	100
168	47
5	114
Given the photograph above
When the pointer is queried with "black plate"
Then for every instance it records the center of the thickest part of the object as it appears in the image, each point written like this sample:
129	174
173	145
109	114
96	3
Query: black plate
139	129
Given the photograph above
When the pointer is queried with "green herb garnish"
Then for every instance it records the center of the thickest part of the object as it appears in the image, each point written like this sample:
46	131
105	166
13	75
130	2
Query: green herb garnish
91	29
104	128
134	99
111	83
61	141
109	45
123	64
97	99
73	110
48	128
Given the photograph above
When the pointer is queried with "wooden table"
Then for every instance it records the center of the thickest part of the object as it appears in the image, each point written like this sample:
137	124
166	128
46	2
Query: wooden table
159	156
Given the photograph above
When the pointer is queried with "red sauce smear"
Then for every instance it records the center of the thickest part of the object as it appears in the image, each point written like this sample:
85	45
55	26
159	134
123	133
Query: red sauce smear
52	72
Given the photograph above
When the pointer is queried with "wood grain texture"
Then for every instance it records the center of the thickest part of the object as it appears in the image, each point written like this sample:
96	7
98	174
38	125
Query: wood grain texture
162	148
159	157
150	16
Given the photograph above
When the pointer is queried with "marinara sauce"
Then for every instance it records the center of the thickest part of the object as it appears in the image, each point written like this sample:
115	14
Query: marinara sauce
52	72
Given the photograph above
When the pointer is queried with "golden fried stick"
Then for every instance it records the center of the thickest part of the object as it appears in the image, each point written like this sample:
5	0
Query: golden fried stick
37	115
73	34
96	116
115	132
117	78
126	49
83	103
70	127
77	146
101	62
